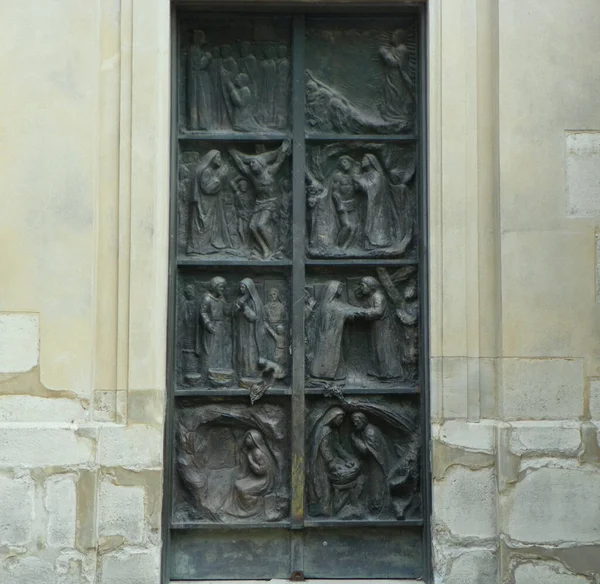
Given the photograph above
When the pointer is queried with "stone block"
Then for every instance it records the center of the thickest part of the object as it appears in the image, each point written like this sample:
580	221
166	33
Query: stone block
105	406
465	502
17	511
476	567
132	446
595	399
542	572
29	570
121	512
132	567
583	174
61	506
538	389
550	438
38	446
19	342
477	437
554	505
28	408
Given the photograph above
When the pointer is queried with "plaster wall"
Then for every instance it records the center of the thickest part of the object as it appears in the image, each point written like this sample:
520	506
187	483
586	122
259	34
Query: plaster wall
515	350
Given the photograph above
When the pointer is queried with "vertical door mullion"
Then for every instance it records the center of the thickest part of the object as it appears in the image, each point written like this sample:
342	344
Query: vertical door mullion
298	275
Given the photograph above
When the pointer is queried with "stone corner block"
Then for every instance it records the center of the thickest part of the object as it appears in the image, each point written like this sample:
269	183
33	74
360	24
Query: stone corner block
136	446
131	566
477	437
583	174
121	512
61	506
19	342
17	511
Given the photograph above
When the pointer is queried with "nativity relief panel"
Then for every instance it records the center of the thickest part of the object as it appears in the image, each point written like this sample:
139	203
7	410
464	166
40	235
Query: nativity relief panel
237	76
234	201
361	78
231	463
362	331
363	459
361	200
234	333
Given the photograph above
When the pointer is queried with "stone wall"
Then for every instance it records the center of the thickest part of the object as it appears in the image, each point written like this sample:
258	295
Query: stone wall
515	366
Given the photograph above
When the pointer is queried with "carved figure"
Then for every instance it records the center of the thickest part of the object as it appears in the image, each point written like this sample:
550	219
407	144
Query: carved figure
281	90
343	190
399	88
256	480
216	347
241	99
372	182
189	330
269	84
330	318
384	333
372	447
408	313
335	474
208	226
199	83
261	170
243	208
249	331
321	212
249	65
214	72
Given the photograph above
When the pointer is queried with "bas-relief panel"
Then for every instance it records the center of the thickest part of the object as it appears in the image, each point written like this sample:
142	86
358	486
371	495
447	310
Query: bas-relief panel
361	76
233	331
237	76
363	459
362	328
234	201
361	200
232	463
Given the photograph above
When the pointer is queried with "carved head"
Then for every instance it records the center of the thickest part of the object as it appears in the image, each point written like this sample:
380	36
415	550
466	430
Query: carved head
286	184
410	292
188	292
255	165
243	289
217	286
345	163
280	329
216	161
282	51
270	51
273	294
215	52
226	51
243	185
337	421
242	80
359	421
366	287
199	37
398	37
245	49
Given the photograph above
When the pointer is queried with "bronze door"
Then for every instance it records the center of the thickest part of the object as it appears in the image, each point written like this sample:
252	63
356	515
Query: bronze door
298	344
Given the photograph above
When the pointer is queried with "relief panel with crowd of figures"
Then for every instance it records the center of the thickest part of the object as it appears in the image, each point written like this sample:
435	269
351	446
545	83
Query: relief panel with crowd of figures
232	463
233	331
234	200
361	200
237	76
362	328
361	76
363	459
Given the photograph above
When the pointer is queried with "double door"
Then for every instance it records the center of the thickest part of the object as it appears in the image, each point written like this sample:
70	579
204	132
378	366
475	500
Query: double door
297	351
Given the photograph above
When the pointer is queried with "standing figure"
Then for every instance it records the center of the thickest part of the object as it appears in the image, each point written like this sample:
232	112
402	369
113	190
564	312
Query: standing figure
199	85
216	348
282	87
249	65
285	210
218	104
372	447
257	479
408	313
189	329
344	197
269	84
241	100
335	474
372	182
330	318
208	226
321	211
276	317
249	331
243	208
399	88
261	171
385	343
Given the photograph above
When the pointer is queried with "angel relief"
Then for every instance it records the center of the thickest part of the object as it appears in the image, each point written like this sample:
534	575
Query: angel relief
360	200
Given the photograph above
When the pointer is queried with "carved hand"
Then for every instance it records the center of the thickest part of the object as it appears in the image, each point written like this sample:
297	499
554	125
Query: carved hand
211	328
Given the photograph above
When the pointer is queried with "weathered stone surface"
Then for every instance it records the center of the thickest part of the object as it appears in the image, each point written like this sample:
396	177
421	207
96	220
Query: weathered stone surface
583	174
595	398
546	573
121	512
131	446
552	505
473	567
557	438
538	389
27	408
19	342
16	510
30	570
35	446
470	436
61	506
133	567
464	501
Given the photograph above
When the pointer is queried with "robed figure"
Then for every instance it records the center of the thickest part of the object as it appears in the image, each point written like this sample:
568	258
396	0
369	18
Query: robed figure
208	226
335	473
257	478
370	443
249	330
323	226
330	318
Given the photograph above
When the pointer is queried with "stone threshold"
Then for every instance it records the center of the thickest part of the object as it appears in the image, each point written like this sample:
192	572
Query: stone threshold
320	581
